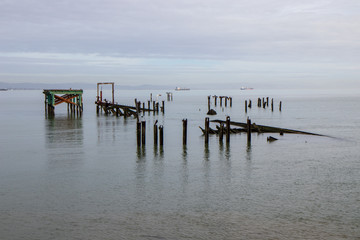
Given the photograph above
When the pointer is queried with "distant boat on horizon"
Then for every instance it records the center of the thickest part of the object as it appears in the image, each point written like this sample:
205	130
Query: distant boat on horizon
246	88
181	89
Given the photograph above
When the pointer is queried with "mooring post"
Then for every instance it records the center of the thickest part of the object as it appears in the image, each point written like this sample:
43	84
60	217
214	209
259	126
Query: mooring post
248	130
221	133
148	105
138	133
209	103
163	107
259	102
215	100
246	106
221	101
155	133
227	129
157	107
230	101
250	104
184	131
280	106
143	132
272	104
207	126
153	106
226	98
267	101
137	109
161	132
264	103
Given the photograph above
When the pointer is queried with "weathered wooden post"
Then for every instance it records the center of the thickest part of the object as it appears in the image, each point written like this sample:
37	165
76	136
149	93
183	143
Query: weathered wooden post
161	132
226	98
250	103
143	132
264	103
163	107
150	97
137	109
259	102
221	101
280	106
227	129
154	106
230	101
221	133
248	130
215	100
157	107
207	126
138	133
148	105
246	106
209	103
272	104
155	133
267	101
184	131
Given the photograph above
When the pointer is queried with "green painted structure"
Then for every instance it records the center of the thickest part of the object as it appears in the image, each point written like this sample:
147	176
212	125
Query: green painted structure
73	98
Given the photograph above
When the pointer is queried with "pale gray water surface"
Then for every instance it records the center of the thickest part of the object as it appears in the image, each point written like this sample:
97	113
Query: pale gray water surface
85	178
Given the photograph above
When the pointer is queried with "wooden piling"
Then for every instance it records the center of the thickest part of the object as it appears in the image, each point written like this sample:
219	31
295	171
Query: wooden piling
226	98
221	101
272	104
143	132
207	128
280	106
248	130
138	133
227	129
250	104
215	100
161	132
221	133
264	103
163	107
155	133
230	101
259	102
246	106
184	131
267	101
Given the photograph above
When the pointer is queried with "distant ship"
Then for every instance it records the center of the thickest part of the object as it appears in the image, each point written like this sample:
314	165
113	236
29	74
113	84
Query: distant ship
246	88
181	89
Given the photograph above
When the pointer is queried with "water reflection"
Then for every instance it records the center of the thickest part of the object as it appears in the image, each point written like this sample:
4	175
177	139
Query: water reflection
64	140
206	152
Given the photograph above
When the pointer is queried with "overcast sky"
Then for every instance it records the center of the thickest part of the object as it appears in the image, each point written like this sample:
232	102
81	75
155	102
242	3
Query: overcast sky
181	42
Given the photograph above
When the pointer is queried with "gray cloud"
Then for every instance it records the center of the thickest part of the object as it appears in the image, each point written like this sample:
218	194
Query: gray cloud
303	33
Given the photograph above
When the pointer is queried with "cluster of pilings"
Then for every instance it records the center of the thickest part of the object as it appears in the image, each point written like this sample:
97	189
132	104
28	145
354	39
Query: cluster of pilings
141	134
169	96
158	132
224	129
215	97
264	103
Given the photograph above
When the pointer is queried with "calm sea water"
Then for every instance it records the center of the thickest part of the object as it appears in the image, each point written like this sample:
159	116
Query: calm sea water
85	178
